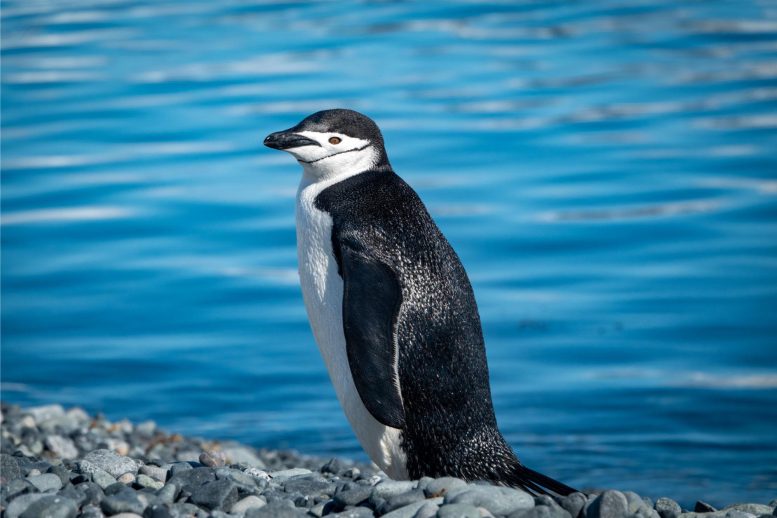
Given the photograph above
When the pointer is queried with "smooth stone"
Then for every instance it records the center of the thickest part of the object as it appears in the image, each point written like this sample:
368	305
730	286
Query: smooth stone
667	508
109	461
756	509
402	500
498	500
61	446
9	467
332	466
155	472
146	481
637	505
386	488
17	487
242	455
51	506
541	511
62	472
440	486
257	474
310	487
285	474
703	507
92	492
354	512
192	479
428	510
733	513
126	515
354	495
213	459
127	478
609	504
157	511
217	494
46	482
458	511
122	502
409	511
91	511
102	478
45	412
278	509
249	502
168	493
20	504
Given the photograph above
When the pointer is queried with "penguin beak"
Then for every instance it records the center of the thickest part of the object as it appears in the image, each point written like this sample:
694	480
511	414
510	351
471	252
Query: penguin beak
287	139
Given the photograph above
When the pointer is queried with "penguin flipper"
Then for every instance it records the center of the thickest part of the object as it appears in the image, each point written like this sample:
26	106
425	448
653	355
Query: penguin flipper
371	300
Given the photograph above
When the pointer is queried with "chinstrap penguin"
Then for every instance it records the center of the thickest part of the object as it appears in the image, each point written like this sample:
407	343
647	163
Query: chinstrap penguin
393	312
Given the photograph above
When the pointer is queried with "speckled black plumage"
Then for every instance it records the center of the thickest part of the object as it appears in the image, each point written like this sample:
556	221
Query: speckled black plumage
445	408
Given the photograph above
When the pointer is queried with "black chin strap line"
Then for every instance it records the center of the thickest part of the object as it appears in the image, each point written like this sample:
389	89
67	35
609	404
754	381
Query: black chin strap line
335	154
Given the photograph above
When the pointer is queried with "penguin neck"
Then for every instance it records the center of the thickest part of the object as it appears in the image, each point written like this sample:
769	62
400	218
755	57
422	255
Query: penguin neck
331	173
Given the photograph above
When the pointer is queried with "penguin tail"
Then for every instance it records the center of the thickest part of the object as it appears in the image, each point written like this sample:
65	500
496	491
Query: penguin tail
539	484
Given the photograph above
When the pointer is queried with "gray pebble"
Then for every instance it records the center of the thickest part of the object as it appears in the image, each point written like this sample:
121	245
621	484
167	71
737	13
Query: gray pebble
609	504
440	486
219	494
146	481
108	461
102	478
286	474
402	500
667	508
756	509
9	468
257	474
386	488
353	495
212	459
20	504
122	502
249	502
703	507
309	486
51	506
126	515
61	446
91	511
458	511
427	510
242	455
45	412
155	472
637	505
46	482
354	512
498	500
409	511
541	511
279	509
17	487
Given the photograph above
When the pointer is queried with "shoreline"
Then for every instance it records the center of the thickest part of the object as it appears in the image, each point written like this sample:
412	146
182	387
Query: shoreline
65	463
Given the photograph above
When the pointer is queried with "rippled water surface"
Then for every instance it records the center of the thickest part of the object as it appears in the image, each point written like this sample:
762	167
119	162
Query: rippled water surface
606	171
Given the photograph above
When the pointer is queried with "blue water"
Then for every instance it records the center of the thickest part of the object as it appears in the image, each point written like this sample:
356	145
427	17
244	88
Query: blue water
607	172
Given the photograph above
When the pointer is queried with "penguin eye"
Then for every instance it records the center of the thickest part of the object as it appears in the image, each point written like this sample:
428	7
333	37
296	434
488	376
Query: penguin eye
335	140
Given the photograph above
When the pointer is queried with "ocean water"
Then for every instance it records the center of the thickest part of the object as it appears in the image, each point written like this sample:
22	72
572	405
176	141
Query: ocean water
607	172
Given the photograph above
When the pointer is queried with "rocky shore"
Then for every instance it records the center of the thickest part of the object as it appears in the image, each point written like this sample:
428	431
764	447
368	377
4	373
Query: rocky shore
59	463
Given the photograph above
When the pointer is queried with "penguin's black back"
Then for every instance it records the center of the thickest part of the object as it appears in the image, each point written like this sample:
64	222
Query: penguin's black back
449	423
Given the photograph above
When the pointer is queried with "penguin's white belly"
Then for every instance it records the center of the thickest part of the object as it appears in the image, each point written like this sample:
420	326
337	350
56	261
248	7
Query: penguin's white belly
322	290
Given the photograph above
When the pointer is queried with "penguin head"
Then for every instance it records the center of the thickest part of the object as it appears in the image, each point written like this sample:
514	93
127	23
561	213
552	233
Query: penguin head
333	143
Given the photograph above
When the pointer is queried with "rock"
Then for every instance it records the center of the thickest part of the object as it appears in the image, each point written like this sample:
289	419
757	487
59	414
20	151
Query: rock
146	481
733	513
386	488
286	474
409	511
402	500
354	512
61	446
17	487
609	504
352	495
249	502
219	494
212	459
308	486
667	508
46	412
155	472
541	511
279	509
703	507
92	493
756	509
9	468
51	506
498	500
257	474
121	501
126	515
427	510
458	511
637	505
46	482
127	478
20	504
242	455
91	511
440	486
108	461
191	480
332	466
102	478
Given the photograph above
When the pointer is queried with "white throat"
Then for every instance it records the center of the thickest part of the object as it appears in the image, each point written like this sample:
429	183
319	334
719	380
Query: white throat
329	161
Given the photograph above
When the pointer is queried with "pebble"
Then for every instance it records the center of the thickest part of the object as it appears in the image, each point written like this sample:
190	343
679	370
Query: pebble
108	461
703	507
249	502
609	504
62	447
170	476
496	499
45	482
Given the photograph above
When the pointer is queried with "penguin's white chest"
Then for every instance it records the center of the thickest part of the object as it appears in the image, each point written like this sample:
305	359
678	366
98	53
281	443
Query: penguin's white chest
322	290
